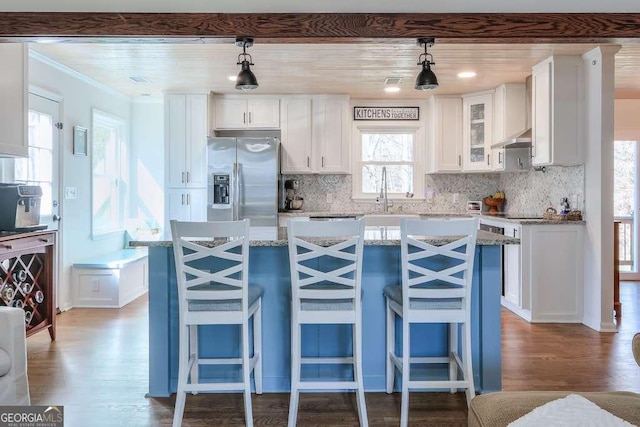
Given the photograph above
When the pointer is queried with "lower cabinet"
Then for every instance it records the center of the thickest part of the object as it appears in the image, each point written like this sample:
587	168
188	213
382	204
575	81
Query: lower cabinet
26	278
185	204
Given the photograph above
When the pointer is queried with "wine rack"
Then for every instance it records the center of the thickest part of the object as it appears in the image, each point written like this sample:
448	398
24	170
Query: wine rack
26	278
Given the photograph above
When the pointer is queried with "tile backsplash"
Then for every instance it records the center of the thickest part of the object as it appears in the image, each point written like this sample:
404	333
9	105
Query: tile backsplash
526	192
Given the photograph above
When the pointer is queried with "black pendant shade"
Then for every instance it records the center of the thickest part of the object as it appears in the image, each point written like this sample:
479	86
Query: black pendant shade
426	80
246	80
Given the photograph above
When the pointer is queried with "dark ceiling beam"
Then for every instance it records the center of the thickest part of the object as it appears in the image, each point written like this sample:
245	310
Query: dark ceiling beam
320	27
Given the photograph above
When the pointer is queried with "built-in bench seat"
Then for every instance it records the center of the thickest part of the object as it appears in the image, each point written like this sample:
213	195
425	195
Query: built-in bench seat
111	280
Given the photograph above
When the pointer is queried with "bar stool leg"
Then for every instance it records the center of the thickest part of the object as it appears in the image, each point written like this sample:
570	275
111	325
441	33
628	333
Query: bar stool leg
193	353
246	372
295	373
466	361
453	350
357	373
406	369
183	358
257	347
391	348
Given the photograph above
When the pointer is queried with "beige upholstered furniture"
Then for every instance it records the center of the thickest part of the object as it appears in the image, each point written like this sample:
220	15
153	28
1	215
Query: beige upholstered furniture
14	388
499	409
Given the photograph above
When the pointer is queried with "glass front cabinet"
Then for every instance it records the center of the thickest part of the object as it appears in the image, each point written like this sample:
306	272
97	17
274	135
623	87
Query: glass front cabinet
477	118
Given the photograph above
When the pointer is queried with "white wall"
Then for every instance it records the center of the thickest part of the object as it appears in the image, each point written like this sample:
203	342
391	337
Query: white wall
79	98
147	168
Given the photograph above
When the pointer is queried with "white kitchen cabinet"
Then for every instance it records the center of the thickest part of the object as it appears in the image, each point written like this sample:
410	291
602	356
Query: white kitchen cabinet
511	268
296	134
187	204
444	135
186	140
477	130
330	136
509	117
247	113
14	86
314	135
556	113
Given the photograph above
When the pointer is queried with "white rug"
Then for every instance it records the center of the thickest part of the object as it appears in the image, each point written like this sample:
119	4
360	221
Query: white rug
571	411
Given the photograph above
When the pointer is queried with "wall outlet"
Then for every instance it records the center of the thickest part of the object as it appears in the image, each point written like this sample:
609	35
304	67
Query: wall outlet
456	197
329	198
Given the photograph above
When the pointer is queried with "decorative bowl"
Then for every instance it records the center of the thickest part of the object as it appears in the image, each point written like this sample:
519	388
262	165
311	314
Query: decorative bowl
493	204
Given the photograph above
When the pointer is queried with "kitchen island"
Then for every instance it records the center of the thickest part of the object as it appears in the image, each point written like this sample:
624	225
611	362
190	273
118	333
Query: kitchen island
269	267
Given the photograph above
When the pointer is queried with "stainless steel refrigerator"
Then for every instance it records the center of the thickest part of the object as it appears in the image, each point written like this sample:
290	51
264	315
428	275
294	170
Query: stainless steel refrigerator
243	180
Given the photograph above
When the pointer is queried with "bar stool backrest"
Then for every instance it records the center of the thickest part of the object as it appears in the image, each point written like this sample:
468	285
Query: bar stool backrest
336	244
437	273
195	245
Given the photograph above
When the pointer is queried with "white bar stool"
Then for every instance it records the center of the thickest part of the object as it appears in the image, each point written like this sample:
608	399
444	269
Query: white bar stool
212	267
433	296
326	297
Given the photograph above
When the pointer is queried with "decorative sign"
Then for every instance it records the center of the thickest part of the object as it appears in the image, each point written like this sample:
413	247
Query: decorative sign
386	113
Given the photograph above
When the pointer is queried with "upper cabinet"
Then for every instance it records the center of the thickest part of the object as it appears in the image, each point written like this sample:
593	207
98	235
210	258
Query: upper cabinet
444	134
509	117
13	108
186	140
246	113
477	130
296	135
330	136
314	134
557	117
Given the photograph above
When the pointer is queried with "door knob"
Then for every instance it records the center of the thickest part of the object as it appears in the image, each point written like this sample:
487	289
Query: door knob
56	218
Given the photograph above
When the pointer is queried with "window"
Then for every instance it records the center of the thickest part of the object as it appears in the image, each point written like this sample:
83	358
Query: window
108	160
396	150
37	169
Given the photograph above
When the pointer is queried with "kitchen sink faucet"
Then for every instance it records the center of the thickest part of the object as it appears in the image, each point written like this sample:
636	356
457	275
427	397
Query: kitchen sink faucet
384	198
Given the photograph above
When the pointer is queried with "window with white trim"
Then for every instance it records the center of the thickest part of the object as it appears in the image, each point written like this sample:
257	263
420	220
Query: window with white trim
108	172
397	150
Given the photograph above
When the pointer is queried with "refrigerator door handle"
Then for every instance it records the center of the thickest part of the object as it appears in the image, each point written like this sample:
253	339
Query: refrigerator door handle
233	190
238	191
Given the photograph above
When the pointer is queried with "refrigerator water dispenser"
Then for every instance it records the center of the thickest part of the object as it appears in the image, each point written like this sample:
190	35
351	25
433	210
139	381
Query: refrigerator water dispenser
220	189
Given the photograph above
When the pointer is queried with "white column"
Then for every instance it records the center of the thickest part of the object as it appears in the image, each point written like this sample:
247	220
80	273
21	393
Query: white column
599	97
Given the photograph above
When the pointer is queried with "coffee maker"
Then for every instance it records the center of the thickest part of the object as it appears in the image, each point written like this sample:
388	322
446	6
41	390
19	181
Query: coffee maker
293	202
20	207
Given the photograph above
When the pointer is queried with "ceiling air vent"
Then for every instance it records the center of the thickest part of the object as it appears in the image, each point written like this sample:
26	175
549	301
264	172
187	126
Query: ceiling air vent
392	80
139	79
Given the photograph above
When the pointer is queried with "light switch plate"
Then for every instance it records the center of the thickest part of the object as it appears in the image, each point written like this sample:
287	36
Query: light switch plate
70	193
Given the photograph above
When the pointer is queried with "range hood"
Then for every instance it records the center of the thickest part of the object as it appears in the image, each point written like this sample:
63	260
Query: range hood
521	139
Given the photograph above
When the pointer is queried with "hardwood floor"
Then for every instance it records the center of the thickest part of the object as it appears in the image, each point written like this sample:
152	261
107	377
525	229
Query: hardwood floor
98	370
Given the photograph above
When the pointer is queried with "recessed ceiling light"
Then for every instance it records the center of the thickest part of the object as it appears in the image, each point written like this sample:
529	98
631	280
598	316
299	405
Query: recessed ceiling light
232	78
467	74
392	89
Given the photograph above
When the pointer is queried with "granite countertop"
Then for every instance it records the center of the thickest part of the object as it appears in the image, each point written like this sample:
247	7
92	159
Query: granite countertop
374	236
525	219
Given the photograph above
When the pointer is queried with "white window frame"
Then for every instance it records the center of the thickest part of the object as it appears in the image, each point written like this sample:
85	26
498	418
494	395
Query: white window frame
418	158
121	125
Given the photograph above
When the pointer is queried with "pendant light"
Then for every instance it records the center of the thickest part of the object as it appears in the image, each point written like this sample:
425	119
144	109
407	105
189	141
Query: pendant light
246	80
426	80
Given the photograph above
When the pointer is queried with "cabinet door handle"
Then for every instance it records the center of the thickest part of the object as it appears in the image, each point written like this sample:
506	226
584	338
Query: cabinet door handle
459	160
488	161
322	161
514	233
308	161
183	177
188	198
249	116
7	246
183	198
244	117
188	177
499	157
44	240
533	151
